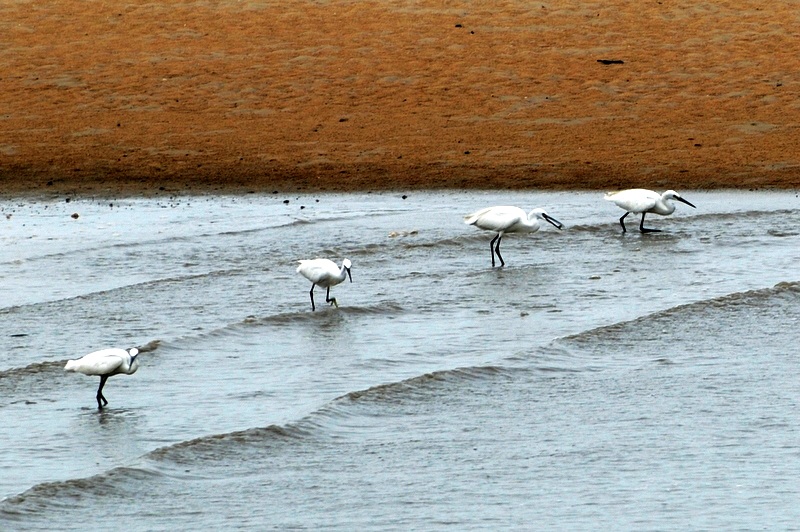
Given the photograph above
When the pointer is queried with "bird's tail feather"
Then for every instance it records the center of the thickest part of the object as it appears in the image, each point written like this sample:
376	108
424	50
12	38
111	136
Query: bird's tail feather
471	218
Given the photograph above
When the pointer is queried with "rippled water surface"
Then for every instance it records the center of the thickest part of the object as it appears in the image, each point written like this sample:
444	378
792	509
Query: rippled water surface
598	380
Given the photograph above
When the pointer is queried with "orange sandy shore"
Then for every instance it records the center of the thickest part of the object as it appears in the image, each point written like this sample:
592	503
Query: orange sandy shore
145	97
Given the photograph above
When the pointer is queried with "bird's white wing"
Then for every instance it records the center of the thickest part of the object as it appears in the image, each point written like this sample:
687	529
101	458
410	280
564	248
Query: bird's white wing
635	199
317	269
470	219
98	363
496	218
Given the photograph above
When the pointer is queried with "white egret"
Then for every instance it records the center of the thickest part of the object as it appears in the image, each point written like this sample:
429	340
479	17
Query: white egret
326	273
640	200
105	363
504	220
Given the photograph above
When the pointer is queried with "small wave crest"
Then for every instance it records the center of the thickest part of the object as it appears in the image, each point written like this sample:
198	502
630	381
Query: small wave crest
181	459
762	297
219	446
32	369
387	309
419	384
150	346
69	493
323	423
285	319
144	286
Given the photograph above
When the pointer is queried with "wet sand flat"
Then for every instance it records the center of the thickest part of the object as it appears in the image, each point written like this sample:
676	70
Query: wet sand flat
142	97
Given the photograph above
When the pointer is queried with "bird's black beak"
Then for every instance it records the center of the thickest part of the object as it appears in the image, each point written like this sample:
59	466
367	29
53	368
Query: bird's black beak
684	201
556	223
350	276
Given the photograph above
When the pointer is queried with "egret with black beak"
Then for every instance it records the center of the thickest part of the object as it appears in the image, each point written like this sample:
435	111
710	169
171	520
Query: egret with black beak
326	273
640	200
105	363
504	219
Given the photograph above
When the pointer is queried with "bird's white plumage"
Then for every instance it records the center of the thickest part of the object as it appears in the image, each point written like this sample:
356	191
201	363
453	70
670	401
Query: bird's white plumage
643	200
504	219
112	361
640	200
323	272
104	364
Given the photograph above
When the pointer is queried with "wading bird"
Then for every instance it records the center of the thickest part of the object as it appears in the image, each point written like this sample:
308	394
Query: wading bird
325	273
105	363
504	220
640	200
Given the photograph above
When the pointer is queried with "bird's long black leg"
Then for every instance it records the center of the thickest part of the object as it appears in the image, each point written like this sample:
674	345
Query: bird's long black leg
497	250
311	293
491	247
622	222
329	299
644	229
103	379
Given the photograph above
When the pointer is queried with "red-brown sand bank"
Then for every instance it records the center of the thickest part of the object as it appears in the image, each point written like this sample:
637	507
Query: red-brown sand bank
132	97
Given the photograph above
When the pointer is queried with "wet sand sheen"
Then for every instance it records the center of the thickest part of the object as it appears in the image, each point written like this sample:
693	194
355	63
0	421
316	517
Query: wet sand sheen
339	95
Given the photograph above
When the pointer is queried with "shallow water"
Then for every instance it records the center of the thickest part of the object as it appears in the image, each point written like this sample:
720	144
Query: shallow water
598	380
